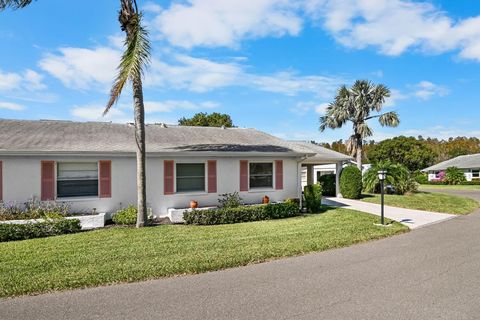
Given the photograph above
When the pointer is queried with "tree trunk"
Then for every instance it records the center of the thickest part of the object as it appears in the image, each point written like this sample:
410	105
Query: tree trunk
359	151
139	112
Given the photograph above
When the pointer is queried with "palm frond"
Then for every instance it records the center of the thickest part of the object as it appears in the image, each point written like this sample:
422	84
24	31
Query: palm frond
352	145
135	58
389	119
14	4
364	130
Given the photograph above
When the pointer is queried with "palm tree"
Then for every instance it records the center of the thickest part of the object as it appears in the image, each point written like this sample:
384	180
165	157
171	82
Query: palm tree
15	4
135	58
355	105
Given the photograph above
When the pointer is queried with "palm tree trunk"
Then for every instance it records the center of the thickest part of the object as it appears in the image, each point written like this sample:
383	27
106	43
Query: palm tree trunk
359	151
141	152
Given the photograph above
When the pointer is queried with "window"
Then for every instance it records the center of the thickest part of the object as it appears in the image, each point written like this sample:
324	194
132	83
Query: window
475	173
77	179
261	175
190	177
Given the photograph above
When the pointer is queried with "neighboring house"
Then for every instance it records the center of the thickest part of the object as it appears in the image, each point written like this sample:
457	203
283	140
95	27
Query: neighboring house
470	164
92	165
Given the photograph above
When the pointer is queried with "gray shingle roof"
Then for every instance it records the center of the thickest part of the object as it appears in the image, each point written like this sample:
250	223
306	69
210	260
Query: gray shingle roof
321	154
45	136
471	161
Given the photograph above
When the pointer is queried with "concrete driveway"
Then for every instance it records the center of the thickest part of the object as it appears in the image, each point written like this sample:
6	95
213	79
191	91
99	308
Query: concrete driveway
411	218
429	273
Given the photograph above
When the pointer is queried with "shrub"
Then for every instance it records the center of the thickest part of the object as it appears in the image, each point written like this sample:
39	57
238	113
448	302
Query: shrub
313	197
230	200
328	185
454	175
241	214
398	177
126	216
293	200
12	232
351	182
421	177
33	209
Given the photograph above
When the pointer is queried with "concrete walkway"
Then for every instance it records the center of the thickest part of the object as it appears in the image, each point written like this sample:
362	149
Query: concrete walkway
412	218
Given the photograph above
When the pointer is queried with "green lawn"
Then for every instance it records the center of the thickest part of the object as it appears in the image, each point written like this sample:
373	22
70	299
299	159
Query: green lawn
116	255
436	202
448	187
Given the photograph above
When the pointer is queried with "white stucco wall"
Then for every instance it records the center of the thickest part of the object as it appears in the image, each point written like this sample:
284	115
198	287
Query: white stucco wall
21	182
432	175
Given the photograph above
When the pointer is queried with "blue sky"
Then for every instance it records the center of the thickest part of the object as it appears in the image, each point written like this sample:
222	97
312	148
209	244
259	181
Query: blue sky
271	64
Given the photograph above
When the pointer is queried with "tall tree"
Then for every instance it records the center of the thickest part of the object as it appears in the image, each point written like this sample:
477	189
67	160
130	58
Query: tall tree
408	151
134	60
203	119
355	105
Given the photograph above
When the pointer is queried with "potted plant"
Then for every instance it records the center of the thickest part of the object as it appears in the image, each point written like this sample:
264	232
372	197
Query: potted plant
193	204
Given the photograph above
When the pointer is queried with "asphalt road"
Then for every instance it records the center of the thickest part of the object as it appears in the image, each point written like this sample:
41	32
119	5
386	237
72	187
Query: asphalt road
429	273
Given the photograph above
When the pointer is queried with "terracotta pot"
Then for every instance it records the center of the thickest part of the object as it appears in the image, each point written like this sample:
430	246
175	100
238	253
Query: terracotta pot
265	200
193	204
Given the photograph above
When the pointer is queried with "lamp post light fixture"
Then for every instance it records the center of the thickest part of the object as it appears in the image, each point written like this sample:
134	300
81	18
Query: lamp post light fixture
382	175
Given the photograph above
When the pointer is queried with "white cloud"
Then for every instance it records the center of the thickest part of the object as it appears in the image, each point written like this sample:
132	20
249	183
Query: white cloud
321	108
85	69
226	22
395	96
11	106
94	112
152	7
426	90
395	26
171	105
81	68
28	80
304	107
194	74
9	81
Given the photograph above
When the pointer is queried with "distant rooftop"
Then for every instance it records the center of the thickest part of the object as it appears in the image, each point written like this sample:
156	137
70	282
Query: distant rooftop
471	161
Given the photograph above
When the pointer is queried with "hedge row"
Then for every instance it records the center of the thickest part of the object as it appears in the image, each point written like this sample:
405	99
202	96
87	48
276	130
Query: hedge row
241	213
12	232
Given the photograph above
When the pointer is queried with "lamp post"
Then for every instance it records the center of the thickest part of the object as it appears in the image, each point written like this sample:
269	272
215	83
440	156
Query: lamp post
382	174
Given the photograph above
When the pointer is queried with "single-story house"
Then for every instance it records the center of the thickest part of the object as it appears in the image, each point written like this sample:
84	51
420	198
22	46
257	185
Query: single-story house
470	164
92	165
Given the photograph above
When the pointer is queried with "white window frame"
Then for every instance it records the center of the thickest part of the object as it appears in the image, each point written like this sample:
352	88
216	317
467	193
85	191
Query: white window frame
204	191
262	189
75	198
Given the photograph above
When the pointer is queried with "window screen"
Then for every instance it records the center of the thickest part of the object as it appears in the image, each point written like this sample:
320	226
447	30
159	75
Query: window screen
77	179
261	175
190	177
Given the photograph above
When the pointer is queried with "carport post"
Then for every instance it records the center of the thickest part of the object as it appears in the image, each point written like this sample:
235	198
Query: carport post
338	170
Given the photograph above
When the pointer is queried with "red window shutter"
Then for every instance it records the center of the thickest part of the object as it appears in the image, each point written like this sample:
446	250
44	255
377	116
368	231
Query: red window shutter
279	174
105	181
212	176
48	180
168	176
1	181
243	175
